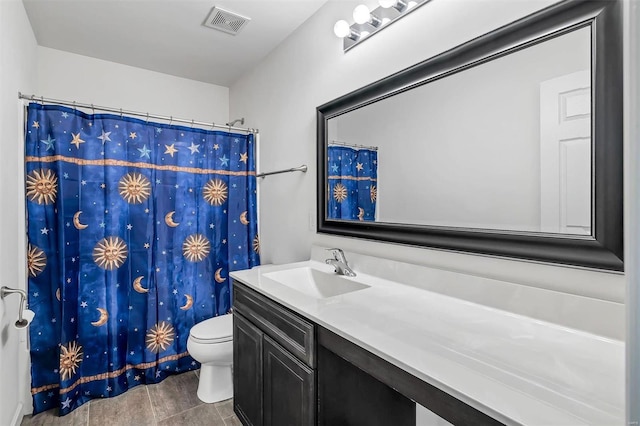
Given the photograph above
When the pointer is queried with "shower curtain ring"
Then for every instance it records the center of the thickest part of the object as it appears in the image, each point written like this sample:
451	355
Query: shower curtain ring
170	120
147	118
120	112
93	110
74	105
192	121
42	100
213	125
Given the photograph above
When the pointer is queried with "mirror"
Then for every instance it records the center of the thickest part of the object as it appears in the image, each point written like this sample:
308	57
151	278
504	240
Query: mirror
508	145
483	142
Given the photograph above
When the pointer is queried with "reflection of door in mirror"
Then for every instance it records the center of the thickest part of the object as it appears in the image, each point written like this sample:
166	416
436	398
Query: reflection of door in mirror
565	154
352	190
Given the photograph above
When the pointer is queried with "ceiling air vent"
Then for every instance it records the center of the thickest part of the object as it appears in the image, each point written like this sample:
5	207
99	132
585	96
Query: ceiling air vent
226	21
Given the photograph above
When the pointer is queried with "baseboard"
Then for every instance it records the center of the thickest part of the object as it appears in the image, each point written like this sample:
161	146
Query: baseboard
17	415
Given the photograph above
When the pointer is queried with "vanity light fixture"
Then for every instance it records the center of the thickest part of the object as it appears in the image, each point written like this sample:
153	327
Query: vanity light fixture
399	5
362	15
343	30
368	22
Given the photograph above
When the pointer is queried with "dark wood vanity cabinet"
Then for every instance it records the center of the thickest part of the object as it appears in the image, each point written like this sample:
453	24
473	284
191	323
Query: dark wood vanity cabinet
247	369
288	388
274	378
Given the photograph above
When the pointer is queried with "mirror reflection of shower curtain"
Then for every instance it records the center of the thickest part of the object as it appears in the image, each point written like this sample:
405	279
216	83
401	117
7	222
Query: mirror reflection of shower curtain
353	183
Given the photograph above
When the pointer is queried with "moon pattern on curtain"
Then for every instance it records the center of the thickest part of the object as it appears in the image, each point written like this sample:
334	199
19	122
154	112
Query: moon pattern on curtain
133	228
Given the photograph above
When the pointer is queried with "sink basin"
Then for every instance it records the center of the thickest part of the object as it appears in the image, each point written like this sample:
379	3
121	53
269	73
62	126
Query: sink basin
315	283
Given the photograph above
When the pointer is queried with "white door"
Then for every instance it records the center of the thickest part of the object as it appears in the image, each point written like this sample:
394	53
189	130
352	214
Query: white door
565	154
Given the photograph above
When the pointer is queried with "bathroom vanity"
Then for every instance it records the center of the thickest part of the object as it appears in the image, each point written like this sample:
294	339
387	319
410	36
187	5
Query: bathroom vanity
274	360
279	356
312	347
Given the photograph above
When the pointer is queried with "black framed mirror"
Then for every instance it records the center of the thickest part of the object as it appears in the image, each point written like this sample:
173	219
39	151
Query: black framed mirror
508	145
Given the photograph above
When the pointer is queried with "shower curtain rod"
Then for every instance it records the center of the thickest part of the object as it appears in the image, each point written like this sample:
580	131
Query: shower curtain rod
302	169
120	111
352	145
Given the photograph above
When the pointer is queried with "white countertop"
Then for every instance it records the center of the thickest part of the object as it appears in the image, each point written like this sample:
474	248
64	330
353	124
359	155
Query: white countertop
514	368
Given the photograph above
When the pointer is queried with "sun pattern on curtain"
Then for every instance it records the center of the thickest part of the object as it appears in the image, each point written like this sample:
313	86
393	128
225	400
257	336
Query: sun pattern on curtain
133	228
353	176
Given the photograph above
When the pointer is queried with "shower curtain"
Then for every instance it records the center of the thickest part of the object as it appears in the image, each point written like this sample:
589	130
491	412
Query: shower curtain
353	178
133	228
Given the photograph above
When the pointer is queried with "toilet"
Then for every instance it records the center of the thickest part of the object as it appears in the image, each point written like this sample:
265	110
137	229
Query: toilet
210	343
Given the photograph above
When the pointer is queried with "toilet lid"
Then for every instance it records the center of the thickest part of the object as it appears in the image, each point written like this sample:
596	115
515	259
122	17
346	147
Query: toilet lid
216	329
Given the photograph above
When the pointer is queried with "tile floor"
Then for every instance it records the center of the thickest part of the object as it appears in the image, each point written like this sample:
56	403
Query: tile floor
171	402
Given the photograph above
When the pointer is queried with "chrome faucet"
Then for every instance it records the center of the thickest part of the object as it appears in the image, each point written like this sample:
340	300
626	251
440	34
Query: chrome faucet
339	262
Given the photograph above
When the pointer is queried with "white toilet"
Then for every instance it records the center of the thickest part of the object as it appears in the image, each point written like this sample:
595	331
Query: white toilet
210	343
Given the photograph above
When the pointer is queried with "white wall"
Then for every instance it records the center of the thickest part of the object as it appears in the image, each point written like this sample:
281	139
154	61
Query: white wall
67	76
308	69
632	207
17	72
465	150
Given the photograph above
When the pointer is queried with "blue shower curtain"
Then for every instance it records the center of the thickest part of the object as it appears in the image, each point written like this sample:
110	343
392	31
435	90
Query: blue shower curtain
133	228
353	179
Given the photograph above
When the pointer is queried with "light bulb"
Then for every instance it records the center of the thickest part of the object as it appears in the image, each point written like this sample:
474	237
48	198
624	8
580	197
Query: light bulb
385	21
386	3
342	28
361	14
411	4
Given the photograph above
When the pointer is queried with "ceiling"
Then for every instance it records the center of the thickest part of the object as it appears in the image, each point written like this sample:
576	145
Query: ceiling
167	36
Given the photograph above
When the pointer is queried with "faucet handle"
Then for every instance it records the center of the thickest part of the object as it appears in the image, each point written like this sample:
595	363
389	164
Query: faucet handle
338	254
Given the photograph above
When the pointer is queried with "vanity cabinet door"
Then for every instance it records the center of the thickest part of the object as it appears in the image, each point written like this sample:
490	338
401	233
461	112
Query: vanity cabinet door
247	371
289	388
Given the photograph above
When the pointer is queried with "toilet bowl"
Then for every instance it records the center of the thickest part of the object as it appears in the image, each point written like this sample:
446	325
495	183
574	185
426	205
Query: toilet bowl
210	343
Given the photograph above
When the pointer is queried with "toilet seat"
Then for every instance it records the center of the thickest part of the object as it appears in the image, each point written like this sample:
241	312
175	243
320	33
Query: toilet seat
213	330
